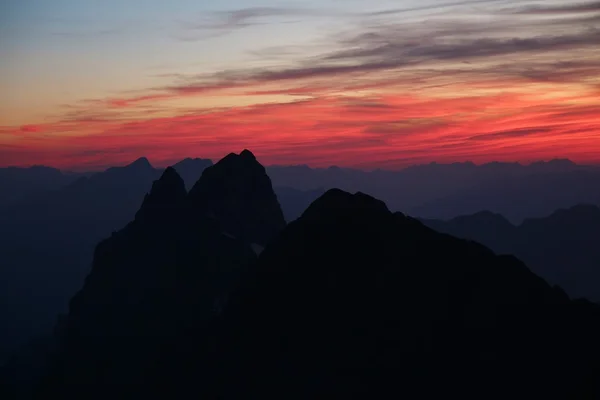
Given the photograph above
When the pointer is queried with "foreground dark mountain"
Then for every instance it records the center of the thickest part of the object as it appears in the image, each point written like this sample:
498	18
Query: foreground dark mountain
562	248
353	301
349	301
238	192
47	237
155	284
152	285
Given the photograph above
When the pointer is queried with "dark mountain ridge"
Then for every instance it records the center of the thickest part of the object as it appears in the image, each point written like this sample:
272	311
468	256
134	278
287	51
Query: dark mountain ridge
47	238
348	301
240	195
353	302
158	279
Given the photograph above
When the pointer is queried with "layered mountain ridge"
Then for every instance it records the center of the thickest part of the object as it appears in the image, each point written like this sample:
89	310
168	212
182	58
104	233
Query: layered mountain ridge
348	301
171	262
374	304
563	247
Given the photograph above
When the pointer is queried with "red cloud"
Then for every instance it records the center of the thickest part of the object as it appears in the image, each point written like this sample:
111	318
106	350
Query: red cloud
30	128
390	131
386	97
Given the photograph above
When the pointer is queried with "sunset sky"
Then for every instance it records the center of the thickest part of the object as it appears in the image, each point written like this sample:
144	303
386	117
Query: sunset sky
91	83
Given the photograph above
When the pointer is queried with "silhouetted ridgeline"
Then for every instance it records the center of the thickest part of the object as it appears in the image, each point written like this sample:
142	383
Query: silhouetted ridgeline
155	311
352	301
16	184
238	192
348	301
449	190
47	241
563	247
156	284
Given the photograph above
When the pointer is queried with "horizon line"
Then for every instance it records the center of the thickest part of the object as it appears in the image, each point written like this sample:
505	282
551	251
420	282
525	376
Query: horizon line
162	165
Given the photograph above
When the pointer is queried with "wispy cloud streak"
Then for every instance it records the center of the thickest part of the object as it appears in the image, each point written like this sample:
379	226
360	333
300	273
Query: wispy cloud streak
497	85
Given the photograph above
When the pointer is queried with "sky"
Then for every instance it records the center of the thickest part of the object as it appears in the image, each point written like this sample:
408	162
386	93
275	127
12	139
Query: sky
86	84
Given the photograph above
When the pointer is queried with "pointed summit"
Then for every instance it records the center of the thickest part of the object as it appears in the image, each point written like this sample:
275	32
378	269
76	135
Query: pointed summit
359	289
339	203
135	171
238	192
247	154
140	163
166	195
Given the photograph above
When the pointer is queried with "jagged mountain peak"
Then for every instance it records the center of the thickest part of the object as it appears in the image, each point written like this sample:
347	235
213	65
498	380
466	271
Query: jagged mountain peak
139	169
244	158
167	192
140	163
247	154
239	193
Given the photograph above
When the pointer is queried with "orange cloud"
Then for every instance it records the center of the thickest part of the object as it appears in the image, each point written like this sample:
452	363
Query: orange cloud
378	131
30	128
389	95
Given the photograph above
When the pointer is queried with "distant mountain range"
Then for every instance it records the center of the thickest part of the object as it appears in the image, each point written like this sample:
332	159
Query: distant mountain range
431	191
52	221
17	184
449	190
562	248
47	241
209	293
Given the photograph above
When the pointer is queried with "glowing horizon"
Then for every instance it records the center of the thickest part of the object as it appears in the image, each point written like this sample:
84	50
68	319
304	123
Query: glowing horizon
318	83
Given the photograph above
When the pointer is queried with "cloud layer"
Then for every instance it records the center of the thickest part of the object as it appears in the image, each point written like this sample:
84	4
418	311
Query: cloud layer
489	81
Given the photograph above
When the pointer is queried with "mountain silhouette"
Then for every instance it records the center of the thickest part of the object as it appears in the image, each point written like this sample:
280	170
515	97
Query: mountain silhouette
47	242
157	283
518	197
562	248
238	192
492	229
48	234
165	198
352	301
16	184
442	191
348	301
47	239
